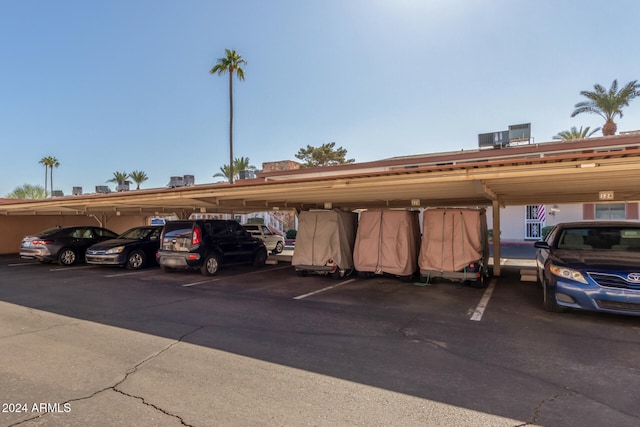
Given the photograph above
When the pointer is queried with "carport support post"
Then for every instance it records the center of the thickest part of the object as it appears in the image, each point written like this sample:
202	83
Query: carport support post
496	237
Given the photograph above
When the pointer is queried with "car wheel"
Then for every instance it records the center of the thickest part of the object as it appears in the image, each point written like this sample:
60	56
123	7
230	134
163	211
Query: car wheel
67	256
279	248
135	260
260	258
210	266
549	299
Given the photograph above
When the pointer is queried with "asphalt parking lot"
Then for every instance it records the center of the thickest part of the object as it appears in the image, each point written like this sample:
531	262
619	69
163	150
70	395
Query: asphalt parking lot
90	345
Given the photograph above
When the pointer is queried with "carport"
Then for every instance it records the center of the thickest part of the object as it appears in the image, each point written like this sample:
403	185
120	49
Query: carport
569	172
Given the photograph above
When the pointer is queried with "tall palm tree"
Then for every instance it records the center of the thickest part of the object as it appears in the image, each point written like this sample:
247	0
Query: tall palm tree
53	163
574	133
607	104
49	163
138	177
45	161
231	63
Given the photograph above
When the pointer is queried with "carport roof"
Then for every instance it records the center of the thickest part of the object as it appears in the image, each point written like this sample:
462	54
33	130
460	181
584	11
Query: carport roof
555	172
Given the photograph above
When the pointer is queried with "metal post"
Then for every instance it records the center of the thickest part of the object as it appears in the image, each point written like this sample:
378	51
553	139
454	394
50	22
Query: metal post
496	238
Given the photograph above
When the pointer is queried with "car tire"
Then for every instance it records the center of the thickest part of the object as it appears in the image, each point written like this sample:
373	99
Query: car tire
210	266
549	299
67	256
260	258
136	260
279	248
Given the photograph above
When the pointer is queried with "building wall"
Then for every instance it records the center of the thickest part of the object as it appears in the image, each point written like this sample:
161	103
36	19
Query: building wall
14	228
512	218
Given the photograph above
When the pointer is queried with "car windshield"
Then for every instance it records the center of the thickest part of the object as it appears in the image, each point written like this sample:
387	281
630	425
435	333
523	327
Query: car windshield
136	233
600	238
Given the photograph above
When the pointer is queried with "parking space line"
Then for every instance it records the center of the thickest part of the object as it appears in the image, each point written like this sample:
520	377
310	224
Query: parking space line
70	268
21	264
484	301
123	274
324	289
186	285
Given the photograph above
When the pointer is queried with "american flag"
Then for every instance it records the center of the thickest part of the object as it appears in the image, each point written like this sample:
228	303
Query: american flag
542	214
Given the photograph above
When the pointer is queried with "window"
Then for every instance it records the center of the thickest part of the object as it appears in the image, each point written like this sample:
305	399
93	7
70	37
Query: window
610	211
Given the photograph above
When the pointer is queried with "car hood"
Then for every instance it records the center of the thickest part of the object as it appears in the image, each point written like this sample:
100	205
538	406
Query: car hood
112	243
597	260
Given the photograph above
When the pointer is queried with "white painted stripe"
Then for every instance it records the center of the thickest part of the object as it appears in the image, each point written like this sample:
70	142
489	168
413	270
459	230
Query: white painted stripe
484	301
21	264
324	289
123	274
186	285
71	268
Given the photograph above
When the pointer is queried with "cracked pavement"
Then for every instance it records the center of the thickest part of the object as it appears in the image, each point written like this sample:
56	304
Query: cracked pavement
113	376
142	349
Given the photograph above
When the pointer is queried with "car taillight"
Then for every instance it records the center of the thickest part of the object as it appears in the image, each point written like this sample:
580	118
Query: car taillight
41	242
195	239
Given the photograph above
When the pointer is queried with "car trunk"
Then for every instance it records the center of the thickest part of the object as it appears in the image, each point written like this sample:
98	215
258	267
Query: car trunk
177	236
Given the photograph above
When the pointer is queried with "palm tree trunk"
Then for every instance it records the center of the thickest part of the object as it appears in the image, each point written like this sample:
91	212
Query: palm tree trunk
609	128
51	180
231	126
46	171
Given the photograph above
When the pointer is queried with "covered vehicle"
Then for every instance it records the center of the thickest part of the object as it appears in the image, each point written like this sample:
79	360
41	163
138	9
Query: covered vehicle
135	248
455	245
387	242
65	245
324	242
591	265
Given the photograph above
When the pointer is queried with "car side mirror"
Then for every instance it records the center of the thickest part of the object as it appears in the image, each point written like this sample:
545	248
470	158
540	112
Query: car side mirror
541	245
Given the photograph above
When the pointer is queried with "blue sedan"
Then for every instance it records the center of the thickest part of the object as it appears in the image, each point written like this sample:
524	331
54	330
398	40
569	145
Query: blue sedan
591	266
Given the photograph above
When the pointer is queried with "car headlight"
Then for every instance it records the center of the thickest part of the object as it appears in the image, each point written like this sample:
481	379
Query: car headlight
567	273
116	250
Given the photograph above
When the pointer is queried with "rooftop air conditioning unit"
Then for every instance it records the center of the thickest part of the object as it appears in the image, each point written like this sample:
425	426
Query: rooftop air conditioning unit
103	189
123	186
77	191
247	174
188	180
57	193
176	181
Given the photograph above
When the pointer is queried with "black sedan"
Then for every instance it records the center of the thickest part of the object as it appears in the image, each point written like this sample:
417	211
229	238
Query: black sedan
591	266
134	248
65	245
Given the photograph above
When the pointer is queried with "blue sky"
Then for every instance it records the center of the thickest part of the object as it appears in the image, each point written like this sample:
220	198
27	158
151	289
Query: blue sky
123	85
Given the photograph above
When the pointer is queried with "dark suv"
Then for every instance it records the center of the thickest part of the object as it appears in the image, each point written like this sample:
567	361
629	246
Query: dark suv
206	244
